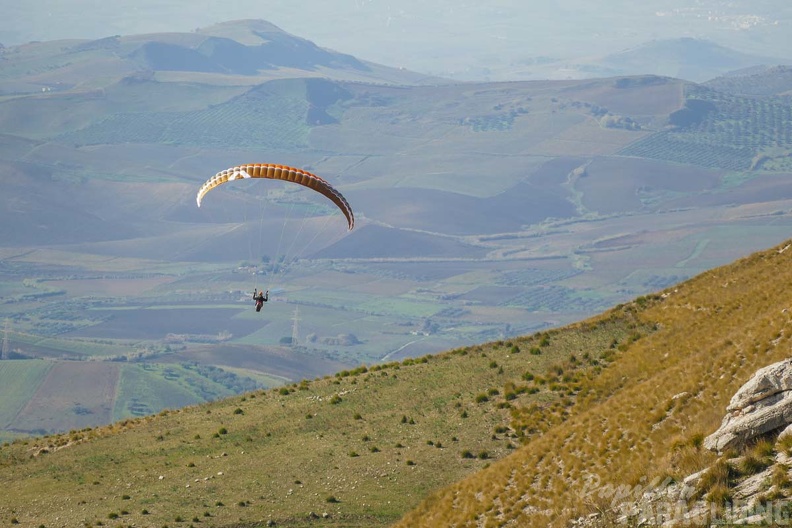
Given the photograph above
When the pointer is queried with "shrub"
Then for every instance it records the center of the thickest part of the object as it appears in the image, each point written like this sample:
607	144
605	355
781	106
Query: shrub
780	477
222	431
719	494
332	500
483	455
752	464
535	351
785	444
238	411
481	398
467	454
336	399
717	478
410	463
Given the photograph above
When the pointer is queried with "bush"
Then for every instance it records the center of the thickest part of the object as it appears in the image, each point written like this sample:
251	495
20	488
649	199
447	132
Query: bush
481	398
467	454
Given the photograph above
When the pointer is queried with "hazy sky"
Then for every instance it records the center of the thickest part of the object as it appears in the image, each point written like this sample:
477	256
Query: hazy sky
458	37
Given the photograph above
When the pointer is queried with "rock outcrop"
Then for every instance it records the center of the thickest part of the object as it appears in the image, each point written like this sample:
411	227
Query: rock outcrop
762	405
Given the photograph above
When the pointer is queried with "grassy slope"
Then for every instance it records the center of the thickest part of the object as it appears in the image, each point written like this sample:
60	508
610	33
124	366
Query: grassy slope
714	332
398	433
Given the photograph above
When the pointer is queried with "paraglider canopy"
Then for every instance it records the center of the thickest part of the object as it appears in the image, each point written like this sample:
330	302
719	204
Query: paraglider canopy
279	172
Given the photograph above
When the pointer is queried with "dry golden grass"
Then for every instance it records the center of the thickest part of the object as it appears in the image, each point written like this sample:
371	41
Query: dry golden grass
642	418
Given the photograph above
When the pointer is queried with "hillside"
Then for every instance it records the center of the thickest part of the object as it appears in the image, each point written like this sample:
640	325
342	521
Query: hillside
761	81
532	427
647	413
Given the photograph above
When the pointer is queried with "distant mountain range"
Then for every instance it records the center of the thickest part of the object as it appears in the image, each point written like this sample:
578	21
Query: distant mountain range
684	58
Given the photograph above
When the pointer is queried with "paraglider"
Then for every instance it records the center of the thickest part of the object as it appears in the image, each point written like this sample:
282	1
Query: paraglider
260	298
279	172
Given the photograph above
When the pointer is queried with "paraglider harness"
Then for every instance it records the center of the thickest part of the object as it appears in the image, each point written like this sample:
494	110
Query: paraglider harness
260	298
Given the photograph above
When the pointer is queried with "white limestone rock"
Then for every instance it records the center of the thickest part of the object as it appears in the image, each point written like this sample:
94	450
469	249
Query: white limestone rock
762	405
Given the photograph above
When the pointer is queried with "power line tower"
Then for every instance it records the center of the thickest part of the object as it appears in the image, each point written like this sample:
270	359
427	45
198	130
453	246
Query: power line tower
295	327
6	330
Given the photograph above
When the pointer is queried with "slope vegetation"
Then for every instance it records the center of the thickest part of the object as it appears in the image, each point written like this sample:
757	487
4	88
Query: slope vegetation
553	413
360	448
647	414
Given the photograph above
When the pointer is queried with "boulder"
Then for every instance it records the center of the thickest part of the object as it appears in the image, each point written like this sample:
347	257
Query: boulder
762	405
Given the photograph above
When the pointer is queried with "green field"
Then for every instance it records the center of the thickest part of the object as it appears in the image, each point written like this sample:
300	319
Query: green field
720	130
149	388
19	380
